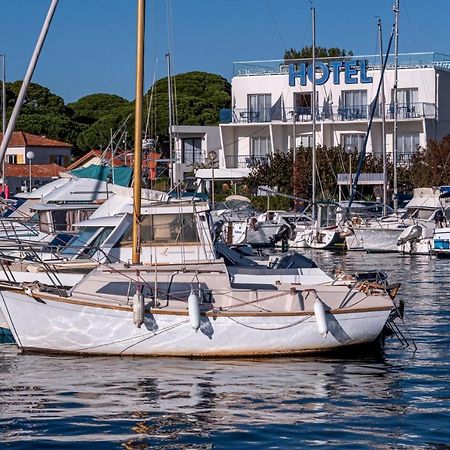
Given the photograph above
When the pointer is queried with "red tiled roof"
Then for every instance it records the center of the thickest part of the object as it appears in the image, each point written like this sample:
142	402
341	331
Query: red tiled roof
37	170
22	139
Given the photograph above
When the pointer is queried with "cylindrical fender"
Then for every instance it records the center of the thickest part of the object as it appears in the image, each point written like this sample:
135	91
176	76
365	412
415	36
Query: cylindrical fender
321	319
194	310
138	309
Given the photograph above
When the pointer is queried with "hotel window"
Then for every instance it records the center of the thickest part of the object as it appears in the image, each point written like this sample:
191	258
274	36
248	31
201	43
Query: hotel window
407	103
302	105
259	147
258	108
407	145
353	105
191	150
11	159
352	141
304	140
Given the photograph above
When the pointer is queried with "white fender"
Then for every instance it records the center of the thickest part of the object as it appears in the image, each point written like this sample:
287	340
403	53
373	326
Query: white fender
194	310
321	319
138	309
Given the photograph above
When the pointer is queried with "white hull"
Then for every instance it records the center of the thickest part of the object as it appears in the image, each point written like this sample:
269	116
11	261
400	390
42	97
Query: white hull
66	327
379	239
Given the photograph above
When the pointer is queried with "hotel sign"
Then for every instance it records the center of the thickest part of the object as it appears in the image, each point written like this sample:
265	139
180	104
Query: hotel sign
351	71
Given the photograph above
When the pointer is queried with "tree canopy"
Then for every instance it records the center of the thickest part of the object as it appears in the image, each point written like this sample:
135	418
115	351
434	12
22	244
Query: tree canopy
43	113
88	122
321	52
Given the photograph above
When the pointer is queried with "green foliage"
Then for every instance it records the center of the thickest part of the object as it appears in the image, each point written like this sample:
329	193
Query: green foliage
199	97
321	52
43	113
275	202
98	135
91	108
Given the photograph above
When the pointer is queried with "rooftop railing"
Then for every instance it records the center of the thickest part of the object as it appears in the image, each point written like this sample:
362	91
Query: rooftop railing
327	113
405	61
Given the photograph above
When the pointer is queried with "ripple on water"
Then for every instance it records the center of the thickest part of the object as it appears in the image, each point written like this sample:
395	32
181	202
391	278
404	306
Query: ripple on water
399	399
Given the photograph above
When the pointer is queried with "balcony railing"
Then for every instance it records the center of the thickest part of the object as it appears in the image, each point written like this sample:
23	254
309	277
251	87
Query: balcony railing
242	161
327	113
405	61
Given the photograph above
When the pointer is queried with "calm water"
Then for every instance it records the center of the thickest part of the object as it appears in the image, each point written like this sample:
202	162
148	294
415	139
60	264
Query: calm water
399	399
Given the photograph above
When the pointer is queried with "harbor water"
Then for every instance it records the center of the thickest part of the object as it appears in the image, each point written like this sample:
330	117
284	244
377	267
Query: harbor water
399	398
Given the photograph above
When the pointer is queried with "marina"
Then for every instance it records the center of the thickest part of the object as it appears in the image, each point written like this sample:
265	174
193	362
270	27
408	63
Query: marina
259	261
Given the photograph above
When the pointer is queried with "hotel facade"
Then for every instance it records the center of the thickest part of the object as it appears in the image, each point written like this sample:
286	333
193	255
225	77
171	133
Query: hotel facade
272	106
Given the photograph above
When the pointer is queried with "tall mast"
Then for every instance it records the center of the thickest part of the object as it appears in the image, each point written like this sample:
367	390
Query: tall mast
383	122
136	251
169	87
313	109
3	56
27	79
395	139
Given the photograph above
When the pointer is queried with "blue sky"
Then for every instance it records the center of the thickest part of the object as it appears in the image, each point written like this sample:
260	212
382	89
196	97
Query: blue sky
91	44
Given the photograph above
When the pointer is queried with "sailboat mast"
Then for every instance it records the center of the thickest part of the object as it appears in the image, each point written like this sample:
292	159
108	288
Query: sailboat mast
27	79
170	91
395	133
136	251
313	108
383	122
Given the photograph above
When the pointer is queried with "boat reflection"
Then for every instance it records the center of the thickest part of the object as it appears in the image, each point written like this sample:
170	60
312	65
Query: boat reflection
173	399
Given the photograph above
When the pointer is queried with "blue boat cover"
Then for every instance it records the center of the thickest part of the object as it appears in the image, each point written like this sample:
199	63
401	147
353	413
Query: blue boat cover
122	174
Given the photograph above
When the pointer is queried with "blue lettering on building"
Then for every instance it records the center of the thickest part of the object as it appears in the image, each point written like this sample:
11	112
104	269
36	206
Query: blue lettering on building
350	69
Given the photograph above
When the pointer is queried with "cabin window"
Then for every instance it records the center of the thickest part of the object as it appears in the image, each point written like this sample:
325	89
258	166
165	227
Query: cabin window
79	241
166	229
45	222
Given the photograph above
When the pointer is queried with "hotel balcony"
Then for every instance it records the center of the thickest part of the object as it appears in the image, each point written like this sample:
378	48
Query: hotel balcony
326	113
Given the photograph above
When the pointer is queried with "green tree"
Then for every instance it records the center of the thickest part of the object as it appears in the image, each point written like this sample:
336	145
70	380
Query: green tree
91	108
321	52
43	113
198	100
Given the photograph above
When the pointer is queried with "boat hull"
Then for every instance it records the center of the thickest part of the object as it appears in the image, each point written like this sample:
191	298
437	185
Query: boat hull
65	326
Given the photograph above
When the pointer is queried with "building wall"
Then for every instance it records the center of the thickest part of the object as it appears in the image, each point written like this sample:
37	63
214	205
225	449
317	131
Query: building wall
210	141
42	155
433	88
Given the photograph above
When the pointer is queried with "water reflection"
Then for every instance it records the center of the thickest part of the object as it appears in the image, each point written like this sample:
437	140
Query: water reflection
396	399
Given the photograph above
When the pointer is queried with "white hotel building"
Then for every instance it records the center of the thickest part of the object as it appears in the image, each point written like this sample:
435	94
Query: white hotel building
265	105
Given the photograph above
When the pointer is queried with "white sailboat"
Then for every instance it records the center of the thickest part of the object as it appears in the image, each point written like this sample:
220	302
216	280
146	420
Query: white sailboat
193	309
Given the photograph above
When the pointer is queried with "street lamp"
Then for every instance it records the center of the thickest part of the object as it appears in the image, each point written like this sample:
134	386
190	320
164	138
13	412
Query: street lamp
30	156
212	156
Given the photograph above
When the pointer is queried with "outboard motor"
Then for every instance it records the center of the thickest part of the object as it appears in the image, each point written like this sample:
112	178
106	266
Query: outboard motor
411	234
